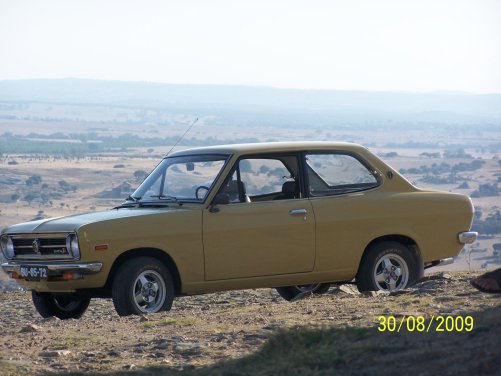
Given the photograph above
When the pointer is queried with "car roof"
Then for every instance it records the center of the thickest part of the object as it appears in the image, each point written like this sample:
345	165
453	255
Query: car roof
271	147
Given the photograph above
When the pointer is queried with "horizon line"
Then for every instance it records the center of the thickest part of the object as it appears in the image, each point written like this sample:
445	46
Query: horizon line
395	91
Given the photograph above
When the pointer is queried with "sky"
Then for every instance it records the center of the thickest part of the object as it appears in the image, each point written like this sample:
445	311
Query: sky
388	45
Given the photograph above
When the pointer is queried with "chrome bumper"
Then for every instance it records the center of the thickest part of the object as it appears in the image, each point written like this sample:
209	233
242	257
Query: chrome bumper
467	237
442	262
82	268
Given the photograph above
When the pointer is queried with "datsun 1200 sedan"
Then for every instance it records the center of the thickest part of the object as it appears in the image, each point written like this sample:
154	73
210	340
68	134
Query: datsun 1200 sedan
294	216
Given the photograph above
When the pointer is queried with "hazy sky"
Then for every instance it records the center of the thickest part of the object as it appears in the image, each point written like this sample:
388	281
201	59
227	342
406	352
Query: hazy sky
420	45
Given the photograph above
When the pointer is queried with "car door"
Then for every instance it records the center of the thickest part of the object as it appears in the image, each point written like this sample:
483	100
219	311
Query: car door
342	189
267	228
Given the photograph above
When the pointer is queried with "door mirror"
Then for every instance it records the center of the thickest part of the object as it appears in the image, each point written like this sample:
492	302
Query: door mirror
221	199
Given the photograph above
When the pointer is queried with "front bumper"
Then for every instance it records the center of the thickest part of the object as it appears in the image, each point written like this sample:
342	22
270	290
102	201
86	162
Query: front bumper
55	269
467	237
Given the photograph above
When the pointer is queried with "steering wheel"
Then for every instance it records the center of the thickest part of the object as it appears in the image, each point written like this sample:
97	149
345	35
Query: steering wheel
199	188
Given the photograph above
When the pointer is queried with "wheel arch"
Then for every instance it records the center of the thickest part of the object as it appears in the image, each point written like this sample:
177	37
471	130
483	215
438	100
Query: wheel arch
402	239
146	252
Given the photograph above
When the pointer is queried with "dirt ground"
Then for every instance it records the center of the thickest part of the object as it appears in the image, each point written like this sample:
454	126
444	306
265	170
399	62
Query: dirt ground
202	331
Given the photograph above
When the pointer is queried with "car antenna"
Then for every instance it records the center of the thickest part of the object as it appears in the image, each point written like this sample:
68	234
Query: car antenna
184	134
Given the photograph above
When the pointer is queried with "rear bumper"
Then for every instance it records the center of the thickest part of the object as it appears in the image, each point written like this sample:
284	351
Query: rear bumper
446	261
467	237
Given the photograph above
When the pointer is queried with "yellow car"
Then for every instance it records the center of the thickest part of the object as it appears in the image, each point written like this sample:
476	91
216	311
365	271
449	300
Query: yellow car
296	216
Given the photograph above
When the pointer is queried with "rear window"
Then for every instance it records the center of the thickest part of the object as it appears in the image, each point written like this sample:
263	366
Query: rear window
335	173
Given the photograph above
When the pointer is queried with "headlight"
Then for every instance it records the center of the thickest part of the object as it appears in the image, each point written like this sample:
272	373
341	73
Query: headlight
72	246
7	246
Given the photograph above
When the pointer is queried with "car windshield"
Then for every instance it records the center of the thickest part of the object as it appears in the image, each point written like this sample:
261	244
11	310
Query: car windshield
187	178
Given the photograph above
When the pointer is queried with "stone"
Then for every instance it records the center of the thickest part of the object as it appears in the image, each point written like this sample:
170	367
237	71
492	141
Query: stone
372	294
349	289
188	348
401	292
445	276
30	328
54	353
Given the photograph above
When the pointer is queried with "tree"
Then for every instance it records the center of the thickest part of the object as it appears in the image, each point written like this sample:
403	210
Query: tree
33	180
139	175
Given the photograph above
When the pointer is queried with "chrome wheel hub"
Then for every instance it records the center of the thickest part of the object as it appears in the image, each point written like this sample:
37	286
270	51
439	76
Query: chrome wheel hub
149	291
391	272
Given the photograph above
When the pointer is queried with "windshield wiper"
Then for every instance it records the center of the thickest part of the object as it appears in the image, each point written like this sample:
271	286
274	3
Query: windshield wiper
166	198
142	204
127	205
132	198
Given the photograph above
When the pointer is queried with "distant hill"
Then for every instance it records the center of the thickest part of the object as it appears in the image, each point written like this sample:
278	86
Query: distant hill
443	107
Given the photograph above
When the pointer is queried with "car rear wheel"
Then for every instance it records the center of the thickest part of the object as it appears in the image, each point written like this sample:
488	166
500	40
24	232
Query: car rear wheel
63	306
295	292
142	285
387	266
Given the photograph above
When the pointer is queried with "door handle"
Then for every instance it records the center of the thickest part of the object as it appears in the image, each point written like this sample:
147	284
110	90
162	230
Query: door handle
299	212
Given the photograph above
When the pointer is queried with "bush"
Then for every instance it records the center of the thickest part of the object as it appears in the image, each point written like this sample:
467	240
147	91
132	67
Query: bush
491	225
486	190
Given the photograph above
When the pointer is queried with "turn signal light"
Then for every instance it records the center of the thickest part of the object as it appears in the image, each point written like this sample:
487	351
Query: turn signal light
69	276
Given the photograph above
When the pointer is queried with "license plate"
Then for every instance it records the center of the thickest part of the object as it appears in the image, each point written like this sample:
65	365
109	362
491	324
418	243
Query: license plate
34	272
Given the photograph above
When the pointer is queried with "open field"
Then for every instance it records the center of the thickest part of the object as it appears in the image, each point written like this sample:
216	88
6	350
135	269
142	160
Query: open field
256	332
61	159
70	184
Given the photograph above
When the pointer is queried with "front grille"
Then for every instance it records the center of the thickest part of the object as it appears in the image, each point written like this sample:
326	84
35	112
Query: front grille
40	246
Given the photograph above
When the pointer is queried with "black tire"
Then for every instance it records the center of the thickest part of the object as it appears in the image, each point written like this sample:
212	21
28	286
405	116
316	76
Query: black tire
63	306
292	292
388	266
142	285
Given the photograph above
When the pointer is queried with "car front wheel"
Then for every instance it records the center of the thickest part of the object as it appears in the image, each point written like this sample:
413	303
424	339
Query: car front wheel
387	266
291	293
142	285
63	306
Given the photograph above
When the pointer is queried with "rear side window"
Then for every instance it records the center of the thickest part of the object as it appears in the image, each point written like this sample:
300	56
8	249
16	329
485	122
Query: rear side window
333	173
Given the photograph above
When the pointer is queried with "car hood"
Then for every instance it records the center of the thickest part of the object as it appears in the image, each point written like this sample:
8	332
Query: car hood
73	222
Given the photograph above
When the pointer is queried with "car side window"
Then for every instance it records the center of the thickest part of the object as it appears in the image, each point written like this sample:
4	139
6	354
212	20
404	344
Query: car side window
334	173
264	179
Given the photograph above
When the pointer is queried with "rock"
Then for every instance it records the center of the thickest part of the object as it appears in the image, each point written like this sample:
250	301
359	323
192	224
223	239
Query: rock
445	276
129	366
372	294
219	337
253	337
274	325
161	346
54	353
401	292
349	289
188	348
114	353
407	314
445	298
30	328
143	318
50	319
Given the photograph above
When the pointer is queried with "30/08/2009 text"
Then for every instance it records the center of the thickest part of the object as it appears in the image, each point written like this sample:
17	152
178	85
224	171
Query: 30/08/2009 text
421	324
